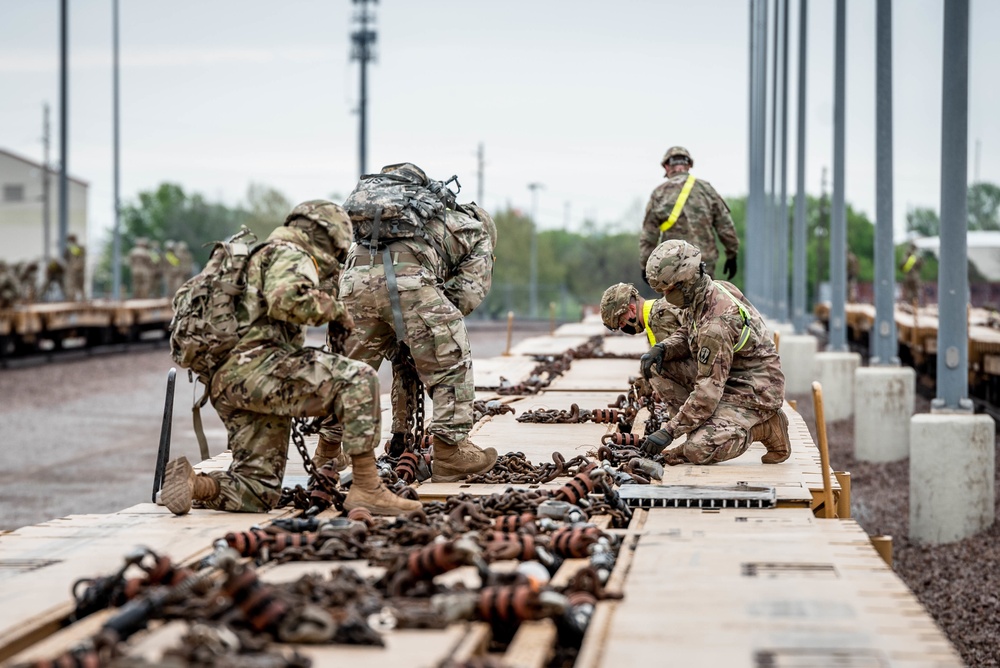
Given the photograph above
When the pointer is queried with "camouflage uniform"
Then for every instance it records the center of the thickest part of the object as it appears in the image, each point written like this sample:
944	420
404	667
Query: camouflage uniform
141	266
853	269
732	391
185	267
911	266
705	215
435	292
75	258
10	288
271	378
173	271
158	263
55	272
27	275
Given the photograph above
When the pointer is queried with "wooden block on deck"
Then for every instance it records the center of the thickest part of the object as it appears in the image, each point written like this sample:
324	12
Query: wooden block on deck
597	374
548	345
513	369
625	345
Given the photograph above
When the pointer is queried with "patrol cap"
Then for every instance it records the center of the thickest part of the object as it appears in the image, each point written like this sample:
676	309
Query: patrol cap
677	152
615	302
328	215
672	263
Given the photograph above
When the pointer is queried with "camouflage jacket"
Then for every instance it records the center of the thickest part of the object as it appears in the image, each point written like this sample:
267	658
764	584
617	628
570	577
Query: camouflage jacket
283	290
463	268
713	326
140	260
664	320
9	288
704	216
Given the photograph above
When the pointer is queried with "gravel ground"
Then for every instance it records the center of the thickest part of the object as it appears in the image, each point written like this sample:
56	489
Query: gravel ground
959	583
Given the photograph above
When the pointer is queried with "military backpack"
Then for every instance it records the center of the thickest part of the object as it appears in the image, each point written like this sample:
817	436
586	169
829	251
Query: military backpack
397	204
205	326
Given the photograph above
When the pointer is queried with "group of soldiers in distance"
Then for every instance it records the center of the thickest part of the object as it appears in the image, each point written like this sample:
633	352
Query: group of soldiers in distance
155	273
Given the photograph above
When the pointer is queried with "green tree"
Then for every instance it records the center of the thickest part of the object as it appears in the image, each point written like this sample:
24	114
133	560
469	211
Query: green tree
923	222
265	209
984	206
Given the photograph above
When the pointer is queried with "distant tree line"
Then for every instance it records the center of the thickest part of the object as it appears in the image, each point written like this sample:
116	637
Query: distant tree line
574	267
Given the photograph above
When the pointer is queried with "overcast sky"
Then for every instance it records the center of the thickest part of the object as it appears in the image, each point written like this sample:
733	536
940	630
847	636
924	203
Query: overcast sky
581	96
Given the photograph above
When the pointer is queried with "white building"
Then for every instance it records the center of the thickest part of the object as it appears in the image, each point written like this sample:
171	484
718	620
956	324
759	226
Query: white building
22	221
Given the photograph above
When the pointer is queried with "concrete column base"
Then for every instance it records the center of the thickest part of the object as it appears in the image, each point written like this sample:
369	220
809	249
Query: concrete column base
798	362
883	406
951	476
835	371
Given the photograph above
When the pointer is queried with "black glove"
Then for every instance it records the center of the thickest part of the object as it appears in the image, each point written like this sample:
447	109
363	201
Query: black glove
644	276
730	268
656	442
654	358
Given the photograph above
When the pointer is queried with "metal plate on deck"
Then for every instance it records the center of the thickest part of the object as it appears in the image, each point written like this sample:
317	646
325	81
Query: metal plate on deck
689	496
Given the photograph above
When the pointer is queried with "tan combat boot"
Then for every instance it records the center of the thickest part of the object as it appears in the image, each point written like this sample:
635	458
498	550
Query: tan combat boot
452	463
367	490
328	451
181	486
773	433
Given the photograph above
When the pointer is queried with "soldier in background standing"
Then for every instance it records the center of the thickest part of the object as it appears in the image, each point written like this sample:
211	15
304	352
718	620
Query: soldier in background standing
186	266
55	273
172	268
156	257
10	288
27	275
75	259
911	266
853	269
140	264
737	393
683	207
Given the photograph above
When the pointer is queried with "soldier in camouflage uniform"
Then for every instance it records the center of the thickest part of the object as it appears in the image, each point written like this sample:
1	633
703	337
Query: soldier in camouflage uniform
738	390
269	377
911	266
172	268
159	266
27	275
623	308
10	287
75	259
698	219
440	279
853	271
186	267
140	264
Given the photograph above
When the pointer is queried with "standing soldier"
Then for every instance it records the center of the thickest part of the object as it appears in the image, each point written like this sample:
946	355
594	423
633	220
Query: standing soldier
172	268
156	257
911	266
738	389
853	269
10	288
414	290
270	377
186	266
75	259
55	273
141	265
27	276
683	207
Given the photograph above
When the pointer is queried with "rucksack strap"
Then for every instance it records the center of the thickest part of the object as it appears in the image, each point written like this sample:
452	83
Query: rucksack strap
679	204
397	309
199	428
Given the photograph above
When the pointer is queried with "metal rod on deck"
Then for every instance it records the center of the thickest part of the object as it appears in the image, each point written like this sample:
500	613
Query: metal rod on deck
163	453
824	453
844	501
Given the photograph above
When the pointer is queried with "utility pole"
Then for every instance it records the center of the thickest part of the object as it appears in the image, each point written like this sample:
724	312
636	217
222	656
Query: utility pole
822	227
883	339
838	212
116	254
479	174
799	253
46	196
781	263
533	279
363	40
63	126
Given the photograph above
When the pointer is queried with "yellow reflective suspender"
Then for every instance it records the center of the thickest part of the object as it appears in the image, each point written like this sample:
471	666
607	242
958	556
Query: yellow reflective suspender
908	265
745	334
647	308
679	204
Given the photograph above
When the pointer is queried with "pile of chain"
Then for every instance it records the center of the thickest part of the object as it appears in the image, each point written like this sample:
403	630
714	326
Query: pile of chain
549	368
494	407
514	468
234	618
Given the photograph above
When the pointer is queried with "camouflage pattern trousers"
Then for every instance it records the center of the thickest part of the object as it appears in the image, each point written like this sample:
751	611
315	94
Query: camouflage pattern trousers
258	391
725	434
435	334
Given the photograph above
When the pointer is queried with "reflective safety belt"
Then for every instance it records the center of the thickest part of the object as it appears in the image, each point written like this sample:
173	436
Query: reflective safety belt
908	265
647	308
679	204
745	334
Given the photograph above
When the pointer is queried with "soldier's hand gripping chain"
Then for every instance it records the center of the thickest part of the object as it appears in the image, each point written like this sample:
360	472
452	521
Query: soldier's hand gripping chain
656	442
651	360
730	267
